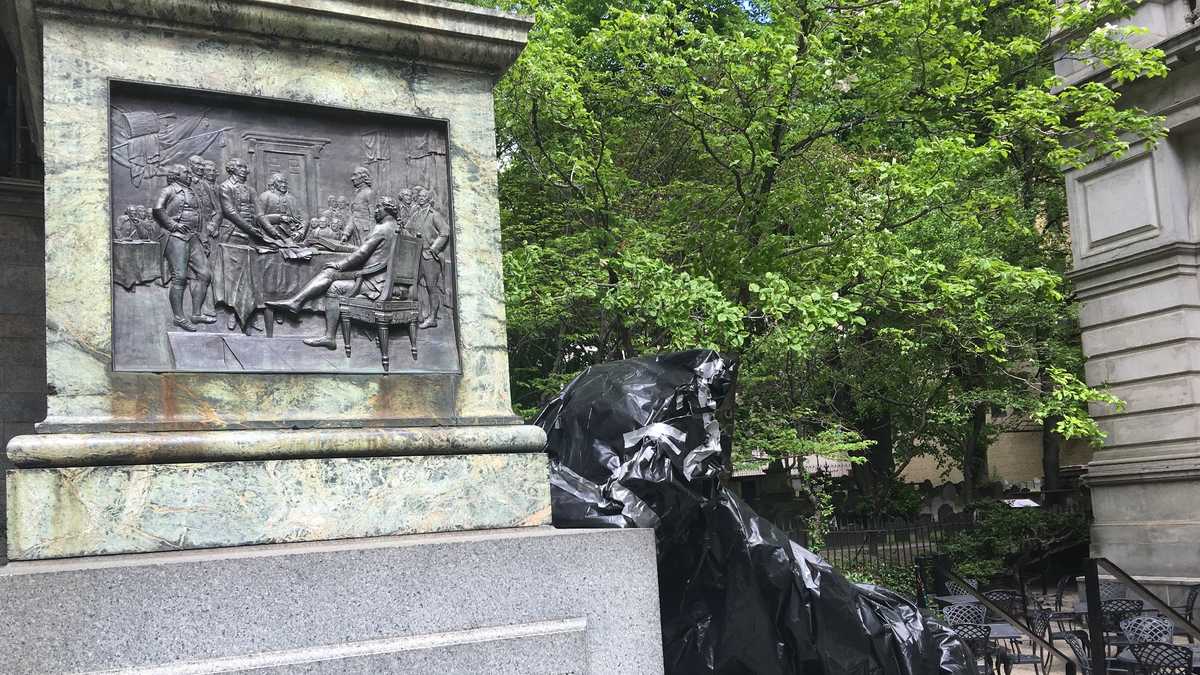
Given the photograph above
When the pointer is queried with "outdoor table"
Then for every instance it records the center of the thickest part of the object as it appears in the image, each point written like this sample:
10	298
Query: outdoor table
1081	608
955	599
1126	656
1005	631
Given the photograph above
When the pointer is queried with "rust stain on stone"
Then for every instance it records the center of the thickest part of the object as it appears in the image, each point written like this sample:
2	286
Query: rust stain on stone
167	396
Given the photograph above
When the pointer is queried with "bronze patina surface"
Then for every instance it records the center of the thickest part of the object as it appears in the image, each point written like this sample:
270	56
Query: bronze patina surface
246	271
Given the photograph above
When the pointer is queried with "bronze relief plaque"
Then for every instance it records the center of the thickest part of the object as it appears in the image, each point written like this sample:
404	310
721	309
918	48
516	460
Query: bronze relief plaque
258	235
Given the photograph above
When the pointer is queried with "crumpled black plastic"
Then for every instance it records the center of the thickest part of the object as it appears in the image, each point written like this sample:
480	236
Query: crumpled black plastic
636	443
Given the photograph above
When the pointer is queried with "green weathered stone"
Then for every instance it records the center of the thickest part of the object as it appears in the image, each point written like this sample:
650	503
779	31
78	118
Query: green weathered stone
84	52
77	511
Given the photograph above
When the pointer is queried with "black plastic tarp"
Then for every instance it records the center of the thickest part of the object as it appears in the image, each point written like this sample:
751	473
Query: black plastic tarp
636	443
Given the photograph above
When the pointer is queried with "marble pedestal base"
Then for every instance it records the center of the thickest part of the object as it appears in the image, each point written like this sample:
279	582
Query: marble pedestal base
80	494
533	600
1147	517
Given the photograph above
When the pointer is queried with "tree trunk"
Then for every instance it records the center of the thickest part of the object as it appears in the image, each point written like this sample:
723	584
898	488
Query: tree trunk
874	477
975	454
1051	458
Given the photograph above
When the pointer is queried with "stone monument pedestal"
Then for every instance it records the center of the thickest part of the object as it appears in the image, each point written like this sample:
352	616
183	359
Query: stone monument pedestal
531	600
211	493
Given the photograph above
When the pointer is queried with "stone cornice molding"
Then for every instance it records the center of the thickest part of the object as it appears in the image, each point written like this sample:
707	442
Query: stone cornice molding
423	30
1182	46
1185	466
1104	271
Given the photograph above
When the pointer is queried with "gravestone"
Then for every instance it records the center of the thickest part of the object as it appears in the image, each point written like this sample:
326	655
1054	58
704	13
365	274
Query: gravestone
1135	232
279	433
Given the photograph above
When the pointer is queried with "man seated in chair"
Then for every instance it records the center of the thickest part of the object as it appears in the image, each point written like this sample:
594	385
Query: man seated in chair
338	279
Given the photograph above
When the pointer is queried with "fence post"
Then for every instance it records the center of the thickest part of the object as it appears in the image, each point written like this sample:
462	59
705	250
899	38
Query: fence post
1095	617
941	563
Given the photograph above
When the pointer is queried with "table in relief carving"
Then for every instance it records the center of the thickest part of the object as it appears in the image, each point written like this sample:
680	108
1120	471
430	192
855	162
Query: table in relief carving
247	277
136	262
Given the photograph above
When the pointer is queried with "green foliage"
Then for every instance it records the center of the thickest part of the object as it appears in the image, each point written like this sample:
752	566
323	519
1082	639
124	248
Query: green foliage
862	203
1005	538
899	578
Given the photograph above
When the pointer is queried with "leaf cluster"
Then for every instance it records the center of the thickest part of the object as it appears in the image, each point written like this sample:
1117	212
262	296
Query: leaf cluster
860	201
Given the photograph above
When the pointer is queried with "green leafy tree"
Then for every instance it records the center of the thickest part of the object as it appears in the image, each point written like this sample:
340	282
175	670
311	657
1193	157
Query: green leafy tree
859	201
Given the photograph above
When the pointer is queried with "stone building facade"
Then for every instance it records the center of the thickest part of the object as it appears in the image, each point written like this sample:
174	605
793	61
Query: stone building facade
1135	225
22	308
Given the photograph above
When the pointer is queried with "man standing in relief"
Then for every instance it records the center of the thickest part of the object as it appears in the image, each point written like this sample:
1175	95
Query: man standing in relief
147	228
435	235
177	212
405	197
238	207
368	261
342	215
210	212
210	174
210	179
361	205
239	226
279	211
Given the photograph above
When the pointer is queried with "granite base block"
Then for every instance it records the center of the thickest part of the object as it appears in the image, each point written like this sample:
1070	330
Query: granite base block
79	511
551	647
529	600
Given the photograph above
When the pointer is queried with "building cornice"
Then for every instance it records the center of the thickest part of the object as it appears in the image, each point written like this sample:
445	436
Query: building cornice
1189	251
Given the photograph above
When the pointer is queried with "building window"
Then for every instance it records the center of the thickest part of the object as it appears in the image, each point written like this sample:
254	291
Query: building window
18	155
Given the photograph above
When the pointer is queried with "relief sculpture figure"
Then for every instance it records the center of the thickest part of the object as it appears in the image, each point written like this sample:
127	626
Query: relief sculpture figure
340	218
147	229
210	212
368	262
427	223
129	226
361	205
405	197
239	222
177	212
279	211
239	209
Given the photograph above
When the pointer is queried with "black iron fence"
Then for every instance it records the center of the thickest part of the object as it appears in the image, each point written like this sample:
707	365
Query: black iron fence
853	543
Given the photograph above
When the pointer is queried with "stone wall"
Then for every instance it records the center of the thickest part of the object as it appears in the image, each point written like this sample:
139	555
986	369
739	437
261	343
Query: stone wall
1014	458
1135	231
22	309
22	317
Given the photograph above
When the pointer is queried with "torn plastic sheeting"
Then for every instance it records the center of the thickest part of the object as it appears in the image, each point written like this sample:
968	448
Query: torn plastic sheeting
636	443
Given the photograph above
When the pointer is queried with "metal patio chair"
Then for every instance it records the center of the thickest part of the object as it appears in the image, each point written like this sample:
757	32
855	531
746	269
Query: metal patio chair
1039	624
1112	613
1080	645
1188	610
1010	600
965	612
1111	590
978	638
1147	629
1163	658
955	588
1063	619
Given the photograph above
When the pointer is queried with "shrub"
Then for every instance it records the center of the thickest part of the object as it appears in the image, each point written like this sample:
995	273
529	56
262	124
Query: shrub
1005	539
899	578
